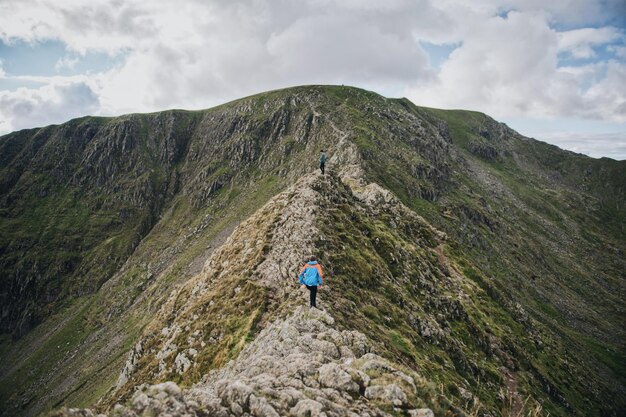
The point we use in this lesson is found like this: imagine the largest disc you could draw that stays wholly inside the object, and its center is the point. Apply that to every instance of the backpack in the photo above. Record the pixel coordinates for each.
(311, 274)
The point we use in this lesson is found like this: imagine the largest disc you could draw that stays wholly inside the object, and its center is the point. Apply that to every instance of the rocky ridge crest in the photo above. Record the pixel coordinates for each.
(299, 366)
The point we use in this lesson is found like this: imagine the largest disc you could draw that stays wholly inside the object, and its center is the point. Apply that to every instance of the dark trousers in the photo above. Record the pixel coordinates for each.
(312, 294)
(322, 164)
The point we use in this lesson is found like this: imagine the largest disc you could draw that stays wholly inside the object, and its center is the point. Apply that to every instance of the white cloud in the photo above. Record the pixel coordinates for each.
(618, 50)
(580, 42)
(220, 52)
(611, 145)
(53, 103)
(563, 12)
(66, 62)
(608, 96)
(509, 67)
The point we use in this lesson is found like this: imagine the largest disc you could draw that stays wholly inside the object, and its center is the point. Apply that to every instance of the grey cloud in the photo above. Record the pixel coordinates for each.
(26, 108)
(246, 47)
(321, 46)
(611, 145)
(114, 18)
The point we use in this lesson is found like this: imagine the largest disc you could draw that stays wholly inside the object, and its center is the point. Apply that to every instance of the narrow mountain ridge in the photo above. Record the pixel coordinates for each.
(250, 280)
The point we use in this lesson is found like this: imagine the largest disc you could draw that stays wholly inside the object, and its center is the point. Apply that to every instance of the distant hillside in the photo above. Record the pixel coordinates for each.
(487, 264)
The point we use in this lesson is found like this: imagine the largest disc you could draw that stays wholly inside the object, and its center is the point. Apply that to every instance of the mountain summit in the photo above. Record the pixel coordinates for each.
(469, 270)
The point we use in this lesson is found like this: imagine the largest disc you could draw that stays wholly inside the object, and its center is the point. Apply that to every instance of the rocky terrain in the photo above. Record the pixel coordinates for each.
(484, 270)
(299, 366)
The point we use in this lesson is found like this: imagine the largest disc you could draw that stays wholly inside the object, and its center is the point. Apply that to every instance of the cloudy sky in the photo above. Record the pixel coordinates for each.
(556, 72)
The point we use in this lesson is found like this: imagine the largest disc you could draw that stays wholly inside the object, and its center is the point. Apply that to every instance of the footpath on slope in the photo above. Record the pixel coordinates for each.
(300, 366)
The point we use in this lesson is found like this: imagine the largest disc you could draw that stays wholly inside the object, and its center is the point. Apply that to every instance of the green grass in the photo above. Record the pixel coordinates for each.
(52, 351)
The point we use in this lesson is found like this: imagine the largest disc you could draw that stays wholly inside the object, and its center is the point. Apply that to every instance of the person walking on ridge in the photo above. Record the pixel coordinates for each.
(311, 277)
(322, 161)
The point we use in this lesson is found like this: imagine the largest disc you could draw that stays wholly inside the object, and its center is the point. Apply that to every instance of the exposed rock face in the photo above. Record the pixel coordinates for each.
(484, 151)
(301, 366)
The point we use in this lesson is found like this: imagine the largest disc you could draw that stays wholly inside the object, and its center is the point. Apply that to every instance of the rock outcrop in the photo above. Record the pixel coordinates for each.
(301, 366)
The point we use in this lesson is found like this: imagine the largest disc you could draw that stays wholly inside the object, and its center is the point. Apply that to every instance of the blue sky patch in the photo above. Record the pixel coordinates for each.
(438, 53)
(51, 58)
(504, 13)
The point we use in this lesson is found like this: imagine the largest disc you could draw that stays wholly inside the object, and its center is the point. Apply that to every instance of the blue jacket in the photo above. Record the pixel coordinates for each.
(311, 274)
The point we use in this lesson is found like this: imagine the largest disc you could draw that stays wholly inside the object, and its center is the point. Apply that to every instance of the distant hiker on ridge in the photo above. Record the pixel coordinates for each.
(322, 161)
(311, 276)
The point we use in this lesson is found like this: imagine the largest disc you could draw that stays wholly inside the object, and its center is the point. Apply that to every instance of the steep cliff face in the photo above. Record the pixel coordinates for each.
(77, 199)
(484, 263)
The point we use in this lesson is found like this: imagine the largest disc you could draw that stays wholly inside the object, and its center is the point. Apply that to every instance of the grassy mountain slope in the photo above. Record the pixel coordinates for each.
(540, 229)
(102, 218)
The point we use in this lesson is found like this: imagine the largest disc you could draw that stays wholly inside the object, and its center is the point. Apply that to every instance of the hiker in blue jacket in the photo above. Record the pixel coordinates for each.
(311, 276)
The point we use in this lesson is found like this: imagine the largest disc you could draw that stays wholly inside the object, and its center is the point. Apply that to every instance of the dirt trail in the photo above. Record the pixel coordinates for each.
(517, 402)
